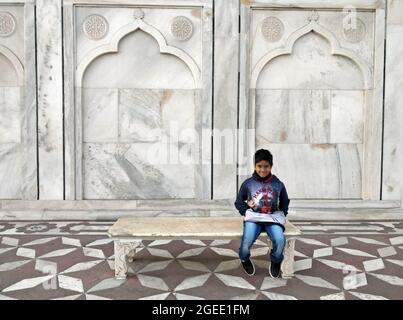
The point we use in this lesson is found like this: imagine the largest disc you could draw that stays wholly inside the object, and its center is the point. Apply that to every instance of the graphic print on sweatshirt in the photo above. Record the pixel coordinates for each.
(264, 200)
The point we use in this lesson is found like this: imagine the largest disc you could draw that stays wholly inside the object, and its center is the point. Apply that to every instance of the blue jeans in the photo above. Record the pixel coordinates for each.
(252, 230)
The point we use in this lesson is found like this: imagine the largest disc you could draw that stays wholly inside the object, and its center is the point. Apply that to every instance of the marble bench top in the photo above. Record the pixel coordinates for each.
(184, 227)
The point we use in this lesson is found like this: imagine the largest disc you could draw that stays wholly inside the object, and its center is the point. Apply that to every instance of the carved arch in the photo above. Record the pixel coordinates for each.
(335, 49)
(113, 46)
(15, 62)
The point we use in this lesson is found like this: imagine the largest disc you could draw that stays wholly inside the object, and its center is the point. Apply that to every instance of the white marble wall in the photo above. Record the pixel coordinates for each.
(311, 95)
(18, 164)
(11, 103)
(137, 129)
(50, 99)
(226, 68)
(104, 114)
(325, 171)
(126, 149)
(392, 186)
(10, 143)
(309, 116)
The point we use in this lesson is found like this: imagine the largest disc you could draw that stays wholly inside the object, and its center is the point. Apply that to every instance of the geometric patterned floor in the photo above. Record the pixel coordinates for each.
(74, 260)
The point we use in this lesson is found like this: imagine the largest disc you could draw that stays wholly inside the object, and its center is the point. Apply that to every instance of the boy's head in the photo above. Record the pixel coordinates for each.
(263, 162)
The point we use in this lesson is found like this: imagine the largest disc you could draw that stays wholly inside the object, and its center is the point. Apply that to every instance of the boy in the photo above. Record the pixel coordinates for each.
(265, 209)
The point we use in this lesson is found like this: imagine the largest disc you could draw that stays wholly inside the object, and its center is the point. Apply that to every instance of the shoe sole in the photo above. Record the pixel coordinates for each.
(250, 274)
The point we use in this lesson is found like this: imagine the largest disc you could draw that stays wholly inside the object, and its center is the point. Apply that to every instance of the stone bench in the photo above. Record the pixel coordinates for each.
(128, 233)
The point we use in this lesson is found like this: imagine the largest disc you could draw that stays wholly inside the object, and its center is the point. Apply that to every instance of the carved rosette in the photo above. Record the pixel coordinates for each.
(7, 24)
(354, 31)
(272, 29)
(182, 28)
(95, 27)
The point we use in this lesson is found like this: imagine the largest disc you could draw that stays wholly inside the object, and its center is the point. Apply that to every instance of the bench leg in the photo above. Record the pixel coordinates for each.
(287, 267)
(122, 250)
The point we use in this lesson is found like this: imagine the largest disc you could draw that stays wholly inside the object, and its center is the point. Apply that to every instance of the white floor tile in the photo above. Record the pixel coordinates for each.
(70, 283)
(386, 252)
(193, 282)
(152, 282)
(233, 281)
(372, 265)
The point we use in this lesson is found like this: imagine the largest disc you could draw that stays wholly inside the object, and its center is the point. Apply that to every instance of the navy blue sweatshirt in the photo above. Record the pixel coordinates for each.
(267, 192)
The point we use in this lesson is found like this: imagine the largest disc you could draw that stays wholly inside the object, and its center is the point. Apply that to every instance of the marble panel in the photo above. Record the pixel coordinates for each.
(293, 116)
(395, 12)
(50, 98)
(315, 171)
(10, 114)
(100, 115)
(137, 171)
(10, 171)
(139, 115)
(392, 188)
(225, 101)
(347, 116)
(29, 137)
(150, 115)
(178, 109)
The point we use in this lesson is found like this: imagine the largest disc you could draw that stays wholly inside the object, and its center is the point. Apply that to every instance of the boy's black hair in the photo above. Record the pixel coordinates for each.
(263, 154)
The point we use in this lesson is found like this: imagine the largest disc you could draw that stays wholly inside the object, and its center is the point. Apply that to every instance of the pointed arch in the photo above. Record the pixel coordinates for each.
(113, 46)
(15, 62)
(335, 49)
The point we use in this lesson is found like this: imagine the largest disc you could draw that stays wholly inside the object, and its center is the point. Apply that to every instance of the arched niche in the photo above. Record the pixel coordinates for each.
(113, 46)
(311, 65)
(335, 49)
(138, 64)
(11, 157)
(12, 71)
(127, 114)
(309, 103)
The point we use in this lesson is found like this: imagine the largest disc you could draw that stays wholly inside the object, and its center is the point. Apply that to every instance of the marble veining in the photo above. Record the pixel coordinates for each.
(135, 171)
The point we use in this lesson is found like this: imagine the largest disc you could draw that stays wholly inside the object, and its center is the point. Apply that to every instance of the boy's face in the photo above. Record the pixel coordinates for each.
(263, 168)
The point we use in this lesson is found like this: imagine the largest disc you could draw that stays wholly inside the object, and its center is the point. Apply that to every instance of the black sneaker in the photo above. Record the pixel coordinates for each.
(248, 267)
(274, 269)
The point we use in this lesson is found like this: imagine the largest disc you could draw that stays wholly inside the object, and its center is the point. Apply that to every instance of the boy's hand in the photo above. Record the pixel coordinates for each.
(251, 203)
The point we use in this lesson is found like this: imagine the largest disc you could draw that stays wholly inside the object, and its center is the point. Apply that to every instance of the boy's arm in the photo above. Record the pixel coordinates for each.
(283, 200)
(240, 203)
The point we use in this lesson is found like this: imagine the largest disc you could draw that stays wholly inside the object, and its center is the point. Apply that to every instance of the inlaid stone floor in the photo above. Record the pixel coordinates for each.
(74, 260)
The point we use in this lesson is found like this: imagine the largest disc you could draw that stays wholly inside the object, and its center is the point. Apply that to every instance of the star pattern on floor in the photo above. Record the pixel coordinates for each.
(74, 260)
